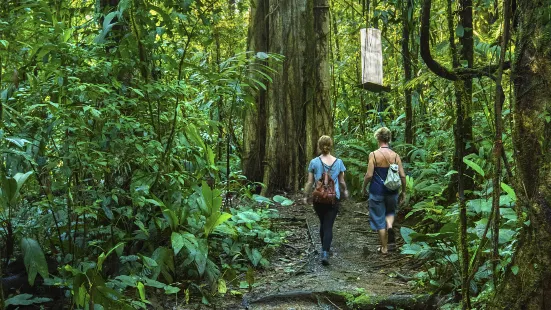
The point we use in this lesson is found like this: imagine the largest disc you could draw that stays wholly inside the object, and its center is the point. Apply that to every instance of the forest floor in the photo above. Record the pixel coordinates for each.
(357, 277)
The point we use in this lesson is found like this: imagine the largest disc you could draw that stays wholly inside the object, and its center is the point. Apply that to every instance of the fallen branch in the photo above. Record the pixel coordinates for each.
(362, 213)
(329, 300)
(390, 262)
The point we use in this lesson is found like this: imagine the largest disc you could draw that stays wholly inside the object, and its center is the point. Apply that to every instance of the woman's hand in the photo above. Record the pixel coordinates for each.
(402, 198)
(346, 194)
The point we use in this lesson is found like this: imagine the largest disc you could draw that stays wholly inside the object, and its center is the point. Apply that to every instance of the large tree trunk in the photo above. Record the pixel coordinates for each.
(531, 287)
(281, 132)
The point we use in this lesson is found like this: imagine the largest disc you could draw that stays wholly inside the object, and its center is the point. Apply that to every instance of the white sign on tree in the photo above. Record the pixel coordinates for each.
(372, 57)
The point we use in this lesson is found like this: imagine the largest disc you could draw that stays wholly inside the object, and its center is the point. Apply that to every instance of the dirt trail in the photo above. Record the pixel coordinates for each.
(358, 276)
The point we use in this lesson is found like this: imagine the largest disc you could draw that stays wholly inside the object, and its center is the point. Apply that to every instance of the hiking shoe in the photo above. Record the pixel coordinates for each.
(325, 258)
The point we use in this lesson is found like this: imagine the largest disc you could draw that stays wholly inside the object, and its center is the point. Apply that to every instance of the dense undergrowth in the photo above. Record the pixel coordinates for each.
(115, 178)
(431, 219)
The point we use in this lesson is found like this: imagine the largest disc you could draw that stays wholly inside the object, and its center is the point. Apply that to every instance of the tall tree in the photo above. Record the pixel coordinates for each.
(530, 288)
(281, 130)
(407, 20)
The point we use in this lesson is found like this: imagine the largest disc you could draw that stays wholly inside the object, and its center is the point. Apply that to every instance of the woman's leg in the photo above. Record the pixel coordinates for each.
(377, 218)
(384, 240)
(391, 203)
(328, 222)
(320, 212)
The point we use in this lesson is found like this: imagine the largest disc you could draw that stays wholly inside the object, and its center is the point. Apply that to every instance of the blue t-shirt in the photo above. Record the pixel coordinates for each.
(316, 168)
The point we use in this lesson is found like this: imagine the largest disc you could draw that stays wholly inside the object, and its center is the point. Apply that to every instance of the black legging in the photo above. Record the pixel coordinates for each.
(327, 215)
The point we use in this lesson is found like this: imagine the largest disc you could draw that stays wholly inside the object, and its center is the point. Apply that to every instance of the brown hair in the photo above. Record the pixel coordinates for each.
(383, 134)
(325, 144)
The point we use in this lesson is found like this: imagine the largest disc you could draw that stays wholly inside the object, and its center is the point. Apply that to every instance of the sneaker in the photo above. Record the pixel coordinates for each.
(325, 258)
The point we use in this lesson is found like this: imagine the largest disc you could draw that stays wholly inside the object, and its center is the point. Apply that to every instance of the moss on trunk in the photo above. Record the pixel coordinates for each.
(281, 131)
(530, 288)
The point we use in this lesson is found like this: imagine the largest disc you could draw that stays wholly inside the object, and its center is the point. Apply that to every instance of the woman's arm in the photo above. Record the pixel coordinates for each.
(342, 184)
(308, 187)
(369, 174)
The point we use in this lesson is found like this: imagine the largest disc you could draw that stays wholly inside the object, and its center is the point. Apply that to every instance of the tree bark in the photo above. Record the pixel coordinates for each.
(407, 67)
(281, 131)
(467, 54)
(530, 288)
(254, 124)
(498, 144)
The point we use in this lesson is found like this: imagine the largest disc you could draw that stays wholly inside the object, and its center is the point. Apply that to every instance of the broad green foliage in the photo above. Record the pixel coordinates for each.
(118, 148)
(35, 261)
(25, 300)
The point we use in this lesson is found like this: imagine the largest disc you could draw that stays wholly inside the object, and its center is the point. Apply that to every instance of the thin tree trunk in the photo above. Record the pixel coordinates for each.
(498, 144)
(407, 67)
(467, 54)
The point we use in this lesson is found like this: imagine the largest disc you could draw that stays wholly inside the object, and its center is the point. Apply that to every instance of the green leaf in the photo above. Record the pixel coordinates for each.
(192, 134)
(141, 291)
(514, 269)
(460, 31)
(255, 257)
(263, 199)
(243, 284)
(34, 259)
(149, 262)
(177, 242)
(222, 288)
(103, 255)
(250, 277)
(282, 200)
(510, 191)
(262, 56)
(201, 256)
(406, 232)
(9, 189)
(215, 220)
(18, 141)
(474, 166)
(156, 202)
(212, 198)
(20, 178)
(24, 300)
(171, 218)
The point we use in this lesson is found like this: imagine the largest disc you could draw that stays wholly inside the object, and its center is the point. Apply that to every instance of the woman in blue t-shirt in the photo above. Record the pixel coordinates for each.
(382, 201)
(327, 213)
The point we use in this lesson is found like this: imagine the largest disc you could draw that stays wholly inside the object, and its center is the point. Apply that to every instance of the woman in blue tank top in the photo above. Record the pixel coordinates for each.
(327, 213)
(382, 201)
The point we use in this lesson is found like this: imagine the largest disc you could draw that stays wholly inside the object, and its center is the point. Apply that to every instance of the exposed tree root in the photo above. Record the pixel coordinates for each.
(346, 300)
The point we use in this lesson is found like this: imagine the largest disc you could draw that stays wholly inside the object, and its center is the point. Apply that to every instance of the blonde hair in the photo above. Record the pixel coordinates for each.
(325, 144)
(383, 134)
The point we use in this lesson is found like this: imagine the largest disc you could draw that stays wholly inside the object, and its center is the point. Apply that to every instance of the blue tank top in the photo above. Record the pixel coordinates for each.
(377, 186)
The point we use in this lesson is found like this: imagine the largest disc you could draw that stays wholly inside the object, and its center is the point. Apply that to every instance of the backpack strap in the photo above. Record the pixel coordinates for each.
(387, 159)
(330, 167)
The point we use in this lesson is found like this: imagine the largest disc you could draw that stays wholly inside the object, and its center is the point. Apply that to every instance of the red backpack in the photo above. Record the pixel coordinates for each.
(324, 191)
